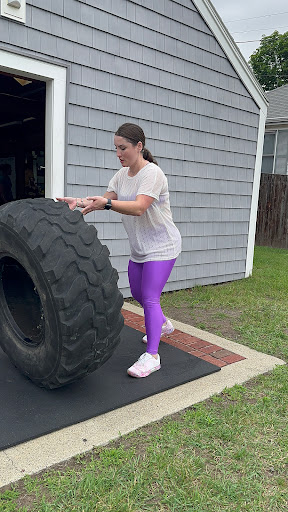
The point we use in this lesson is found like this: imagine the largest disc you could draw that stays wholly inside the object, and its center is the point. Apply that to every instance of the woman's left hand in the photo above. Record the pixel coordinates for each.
(71, 201)
(98, 203)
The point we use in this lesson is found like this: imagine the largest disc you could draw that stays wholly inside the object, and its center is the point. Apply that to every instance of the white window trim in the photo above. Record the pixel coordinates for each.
(275, 149)
(276, 131)
(55, 113)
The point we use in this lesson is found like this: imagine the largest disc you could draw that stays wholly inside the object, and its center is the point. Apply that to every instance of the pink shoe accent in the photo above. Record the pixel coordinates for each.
(166, 329)
(145, 365)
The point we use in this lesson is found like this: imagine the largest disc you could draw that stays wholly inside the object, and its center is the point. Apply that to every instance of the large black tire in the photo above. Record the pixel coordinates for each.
(60, 307)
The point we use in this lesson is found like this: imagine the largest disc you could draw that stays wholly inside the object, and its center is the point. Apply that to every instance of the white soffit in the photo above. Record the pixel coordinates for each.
(226, 41)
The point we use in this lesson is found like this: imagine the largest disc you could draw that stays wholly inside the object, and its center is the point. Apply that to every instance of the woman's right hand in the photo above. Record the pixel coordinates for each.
(71, 201)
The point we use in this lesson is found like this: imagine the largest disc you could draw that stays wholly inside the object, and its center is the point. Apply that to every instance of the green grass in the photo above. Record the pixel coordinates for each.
(255, 308)
(228, 453)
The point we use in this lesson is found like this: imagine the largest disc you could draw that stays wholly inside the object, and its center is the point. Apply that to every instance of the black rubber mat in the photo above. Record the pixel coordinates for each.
(28, 411)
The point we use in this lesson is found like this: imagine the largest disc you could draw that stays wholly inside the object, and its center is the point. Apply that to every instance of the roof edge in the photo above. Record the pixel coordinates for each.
(226, 41)
(276, 120)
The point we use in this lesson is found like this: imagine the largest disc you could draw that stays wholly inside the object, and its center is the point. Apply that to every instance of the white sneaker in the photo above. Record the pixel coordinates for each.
(166, 329)
(145, 365)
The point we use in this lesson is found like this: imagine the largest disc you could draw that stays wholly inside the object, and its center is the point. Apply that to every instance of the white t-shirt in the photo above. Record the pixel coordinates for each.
(152, 235)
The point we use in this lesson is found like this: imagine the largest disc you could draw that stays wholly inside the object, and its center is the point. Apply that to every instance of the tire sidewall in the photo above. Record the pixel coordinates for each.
(36, 361)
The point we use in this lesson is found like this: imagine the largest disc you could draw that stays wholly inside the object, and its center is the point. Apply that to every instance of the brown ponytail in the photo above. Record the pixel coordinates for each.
(134, 134)
(148, 156)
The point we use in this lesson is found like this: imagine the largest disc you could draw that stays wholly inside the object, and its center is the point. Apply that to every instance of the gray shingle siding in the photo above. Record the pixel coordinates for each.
(158, 64)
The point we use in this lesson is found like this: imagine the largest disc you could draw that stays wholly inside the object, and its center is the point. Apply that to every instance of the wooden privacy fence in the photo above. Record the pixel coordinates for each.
(272, 218)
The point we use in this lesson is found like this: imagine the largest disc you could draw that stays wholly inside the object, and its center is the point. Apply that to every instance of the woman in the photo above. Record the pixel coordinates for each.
(139, 191)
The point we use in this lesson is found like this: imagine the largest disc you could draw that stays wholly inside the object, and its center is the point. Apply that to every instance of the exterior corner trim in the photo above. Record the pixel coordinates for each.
(255, 196)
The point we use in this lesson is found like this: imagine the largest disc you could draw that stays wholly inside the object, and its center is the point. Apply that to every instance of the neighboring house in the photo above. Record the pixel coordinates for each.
(272, 219)
(72, 71)
(275, 150)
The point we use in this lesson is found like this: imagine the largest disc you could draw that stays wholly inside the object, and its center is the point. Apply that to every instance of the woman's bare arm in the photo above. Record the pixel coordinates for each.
(137, 207)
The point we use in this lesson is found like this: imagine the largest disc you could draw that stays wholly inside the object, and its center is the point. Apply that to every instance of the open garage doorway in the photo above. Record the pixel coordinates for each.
(36, 139)
(22, 137)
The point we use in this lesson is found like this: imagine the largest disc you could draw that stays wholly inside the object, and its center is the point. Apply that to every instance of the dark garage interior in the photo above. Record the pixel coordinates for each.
(22, 136)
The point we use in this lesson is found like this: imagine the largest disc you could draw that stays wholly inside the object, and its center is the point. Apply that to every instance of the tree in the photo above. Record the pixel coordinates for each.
(270, 61)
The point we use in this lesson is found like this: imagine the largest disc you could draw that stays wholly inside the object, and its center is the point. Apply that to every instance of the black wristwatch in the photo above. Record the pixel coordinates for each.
(108, 205)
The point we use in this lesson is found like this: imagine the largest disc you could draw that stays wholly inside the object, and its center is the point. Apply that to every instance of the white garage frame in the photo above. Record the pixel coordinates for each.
(55, 113)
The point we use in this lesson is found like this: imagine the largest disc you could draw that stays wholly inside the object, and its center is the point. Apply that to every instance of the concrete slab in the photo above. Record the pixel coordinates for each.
(43, 452)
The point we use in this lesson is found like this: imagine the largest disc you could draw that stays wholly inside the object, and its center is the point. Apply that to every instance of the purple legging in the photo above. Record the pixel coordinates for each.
(147, 281)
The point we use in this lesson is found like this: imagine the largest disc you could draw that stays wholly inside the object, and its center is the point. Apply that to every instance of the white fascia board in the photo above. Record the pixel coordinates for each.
(227, 43)
(55, 78)
(255, 197)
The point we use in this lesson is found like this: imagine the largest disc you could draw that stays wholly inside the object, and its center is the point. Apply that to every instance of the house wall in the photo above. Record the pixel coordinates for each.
(155, 63)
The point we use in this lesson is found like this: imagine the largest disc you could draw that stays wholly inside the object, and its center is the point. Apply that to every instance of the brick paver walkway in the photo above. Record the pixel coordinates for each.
(200, 348)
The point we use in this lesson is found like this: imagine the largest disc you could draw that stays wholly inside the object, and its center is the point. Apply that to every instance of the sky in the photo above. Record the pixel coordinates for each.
(249, 20)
